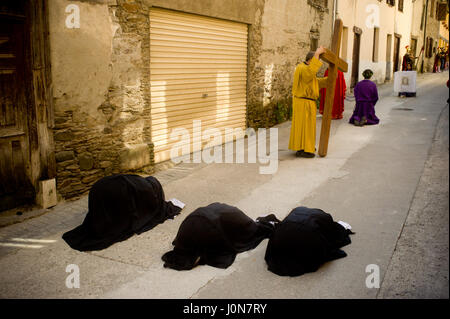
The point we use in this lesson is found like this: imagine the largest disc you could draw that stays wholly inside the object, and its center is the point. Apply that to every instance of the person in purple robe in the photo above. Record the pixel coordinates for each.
(366, 95)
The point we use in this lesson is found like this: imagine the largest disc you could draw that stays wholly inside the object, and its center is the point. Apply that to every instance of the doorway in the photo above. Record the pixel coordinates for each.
(397, 53)
(388, 57)
(26, 141)
(15, 188)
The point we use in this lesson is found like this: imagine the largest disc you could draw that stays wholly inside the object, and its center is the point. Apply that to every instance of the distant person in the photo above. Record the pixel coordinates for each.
(448, 100)
(339, 97)
(437, 62)
(408, 60)
(407, 65)
(366, 96)
(442, 57)
(446, 58)
(305, 92)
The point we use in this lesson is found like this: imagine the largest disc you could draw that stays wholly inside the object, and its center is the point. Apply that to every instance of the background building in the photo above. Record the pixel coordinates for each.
(380, 44)
(443, 33)
(375, 36)
(427, 17)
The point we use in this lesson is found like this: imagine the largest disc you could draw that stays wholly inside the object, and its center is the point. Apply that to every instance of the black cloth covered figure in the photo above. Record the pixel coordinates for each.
(303, 241)
(119, 207)
(213, 235)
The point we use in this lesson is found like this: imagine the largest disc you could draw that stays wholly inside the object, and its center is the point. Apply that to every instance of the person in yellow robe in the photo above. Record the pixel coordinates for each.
(305, 92)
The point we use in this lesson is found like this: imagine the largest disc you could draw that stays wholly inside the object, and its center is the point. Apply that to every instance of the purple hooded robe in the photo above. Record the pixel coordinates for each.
(366, 95)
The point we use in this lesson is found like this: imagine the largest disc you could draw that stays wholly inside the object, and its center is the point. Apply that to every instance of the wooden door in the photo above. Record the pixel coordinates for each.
(396, 53)
(355, 59)
(388, 57)
(15, 186)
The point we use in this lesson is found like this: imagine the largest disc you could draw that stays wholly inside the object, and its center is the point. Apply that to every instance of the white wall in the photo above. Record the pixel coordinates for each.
(359, 13)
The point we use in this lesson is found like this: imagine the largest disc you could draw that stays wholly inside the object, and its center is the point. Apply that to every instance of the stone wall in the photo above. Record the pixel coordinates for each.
(280, 38)
(101, 80)
(431, 31)
(101, 73)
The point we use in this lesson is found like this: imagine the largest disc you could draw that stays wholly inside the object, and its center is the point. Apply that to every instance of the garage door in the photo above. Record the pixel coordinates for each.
(198, 71)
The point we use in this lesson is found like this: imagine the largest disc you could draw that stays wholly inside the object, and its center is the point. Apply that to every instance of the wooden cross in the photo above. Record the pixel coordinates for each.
(332, 57)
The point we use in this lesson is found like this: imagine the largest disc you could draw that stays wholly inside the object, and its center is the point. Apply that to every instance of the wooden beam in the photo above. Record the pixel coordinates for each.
(329, 57)
(335, 64)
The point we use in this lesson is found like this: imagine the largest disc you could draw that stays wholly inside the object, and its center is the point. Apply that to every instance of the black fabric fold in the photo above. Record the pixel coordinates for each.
(303, 241)
(119, 207)
(214, 235)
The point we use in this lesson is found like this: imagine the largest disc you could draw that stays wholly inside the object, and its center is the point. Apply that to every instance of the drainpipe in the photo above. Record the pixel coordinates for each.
(424, 35)
(337, 8)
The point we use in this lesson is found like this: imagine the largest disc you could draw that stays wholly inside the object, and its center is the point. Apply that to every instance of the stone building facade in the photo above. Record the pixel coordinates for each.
(426, 25)
(444, 33)
(101, 79)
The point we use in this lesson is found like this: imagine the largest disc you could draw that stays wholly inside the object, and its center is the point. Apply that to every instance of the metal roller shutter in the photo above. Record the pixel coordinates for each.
(198, 71)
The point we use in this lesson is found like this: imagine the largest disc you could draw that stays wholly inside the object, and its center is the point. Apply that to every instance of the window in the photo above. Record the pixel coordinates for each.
(413, 46)
(390, 2)
(318, 3)
(314, 36)
(376, 38)
(441, 11)
(400, 5)
(429, 48)
(388, 47)
(432, 8)
(344, 45)
(314, 44)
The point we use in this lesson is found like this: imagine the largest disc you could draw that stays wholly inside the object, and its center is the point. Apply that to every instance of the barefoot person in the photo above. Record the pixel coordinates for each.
(305, 91)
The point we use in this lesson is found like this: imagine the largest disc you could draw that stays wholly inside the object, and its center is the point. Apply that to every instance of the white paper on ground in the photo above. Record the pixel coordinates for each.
(177, 203)
(344, 224)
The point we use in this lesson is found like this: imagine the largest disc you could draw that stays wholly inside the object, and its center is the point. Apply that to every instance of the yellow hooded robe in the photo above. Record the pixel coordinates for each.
(305, 90)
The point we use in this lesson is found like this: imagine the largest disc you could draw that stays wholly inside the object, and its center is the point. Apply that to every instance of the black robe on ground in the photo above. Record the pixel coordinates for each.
(303, 241)
(119, 207)
(213, 235)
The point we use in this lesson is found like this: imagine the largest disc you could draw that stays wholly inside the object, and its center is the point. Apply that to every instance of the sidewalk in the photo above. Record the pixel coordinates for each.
(385, 161)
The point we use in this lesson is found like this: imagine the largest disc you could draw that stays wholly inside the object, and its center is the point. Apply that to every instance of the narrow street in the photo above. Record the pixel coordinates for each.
(388, 181)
